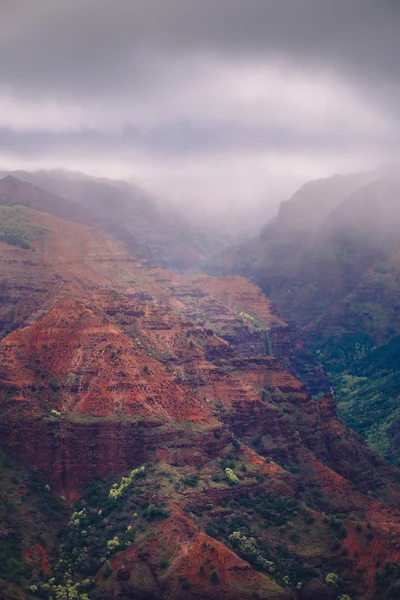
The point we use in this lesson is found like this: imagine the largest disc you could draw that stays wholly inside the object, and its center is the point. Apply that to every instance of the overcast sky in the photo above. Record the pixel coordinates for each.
(216, 99)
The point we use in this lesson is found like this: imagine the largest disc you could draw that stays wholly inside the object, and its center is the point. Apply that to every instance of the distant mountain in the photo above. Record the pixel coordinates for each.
(151, 228)
(309, 278)
(330, 261)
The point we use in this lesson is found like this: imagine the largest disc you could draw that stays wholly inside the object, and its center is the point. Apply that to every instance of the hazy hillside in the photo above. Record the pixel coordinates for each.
(149, 226)
(155, 445)
(331, 265)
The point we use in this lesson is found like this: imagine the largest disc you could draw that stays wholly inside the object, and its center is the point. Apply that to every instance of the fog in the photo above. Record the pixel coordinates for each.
(216, 106)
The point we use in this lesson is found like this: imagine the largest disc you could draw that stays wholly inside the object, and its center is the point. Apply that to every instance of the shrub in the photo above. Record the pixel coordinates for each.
(214, 578)
(184, 582)
(257, 442)
(332, 579)
(163, 564)
(231, 477)
(126, 482)
(113, 544)
(12, 234)
(309, 519)
(249, 549)
(191, 481)
(153, 512)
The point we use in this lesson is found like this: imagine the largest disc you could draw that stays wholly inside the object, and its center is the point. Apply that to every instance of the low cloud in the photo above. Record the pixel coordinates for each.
(202, 99)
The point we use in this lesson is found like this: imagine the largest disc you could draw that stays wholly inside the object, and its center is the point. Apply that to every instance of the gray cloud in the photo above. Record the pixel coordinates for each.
(194, 139)
(296, 85)
(86, 45)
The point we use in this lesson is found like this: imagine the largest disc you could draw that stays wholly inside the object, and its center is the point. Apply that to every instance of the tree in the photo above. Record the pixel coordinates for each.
(332, 579)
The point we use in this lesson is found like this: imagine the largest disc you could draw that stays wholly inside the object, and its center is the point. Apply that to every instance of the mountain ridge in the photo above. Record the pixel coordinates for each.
(109, 365)
(339, 284)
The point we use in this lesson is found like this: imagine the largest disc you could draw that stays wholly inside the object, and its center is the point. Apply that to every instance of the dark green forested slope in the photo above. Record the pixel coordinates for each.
(367, 383)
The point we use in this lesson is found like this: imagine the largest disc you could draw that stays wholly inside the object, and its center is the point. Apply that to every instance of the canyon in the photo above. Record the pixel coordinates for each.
(158, 441)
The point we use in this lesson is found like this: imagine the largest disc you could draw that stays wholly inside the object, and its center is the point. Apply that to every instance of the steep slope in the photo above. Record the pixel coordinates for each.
(364, 242)
(62, 258)
(369, 392)
(307, 276)
(152, 229)
(324, 241)
(298, 218)
(340, 282)
(312, 203)
(14, 192)
(191, 462)
(74, 441)
(355, 285)
(30, 516)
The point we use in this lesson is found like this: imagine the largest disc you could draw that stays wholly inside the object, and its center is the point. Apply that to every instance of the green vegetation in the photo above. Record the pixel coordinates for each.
(110, 517)
(251, 319)
(13, 228)
(184, 582)
(387, 582)
(243, 523)
(30, 516)
(248, 548)
(191, 481)
(105, 521)
(367, 387)
(14, 235)
(332, 579)
(67, 591)
(231, 478)
(118, 489)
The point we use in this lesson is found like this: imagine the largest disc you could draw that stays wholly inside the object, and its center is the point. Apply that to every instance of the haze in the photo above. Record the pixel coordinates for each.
(223, 103)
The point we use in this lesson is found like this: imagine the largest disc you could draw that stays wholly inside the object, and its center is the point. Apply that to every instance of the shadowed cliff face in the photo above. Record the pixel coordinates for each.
(330, 262)
(309, 268)
(249, 487)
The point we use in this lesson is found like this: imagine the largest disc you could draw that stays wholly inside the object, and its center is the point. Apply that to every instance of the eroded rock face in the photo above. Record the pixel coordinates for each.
(107, 365)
